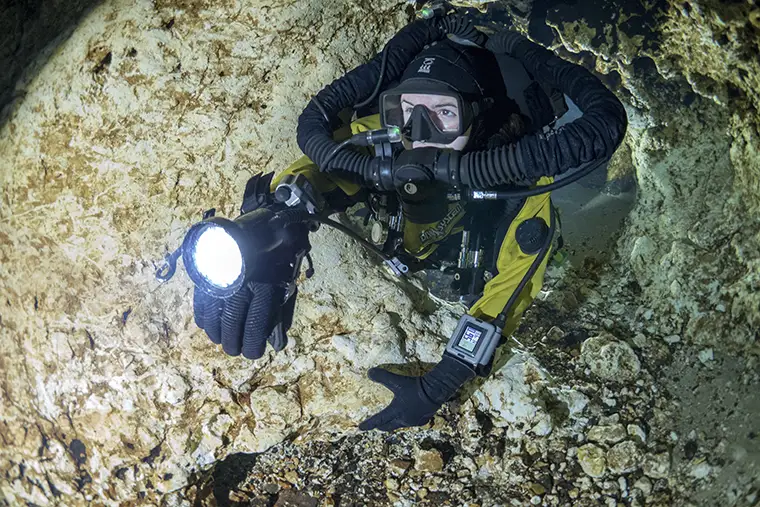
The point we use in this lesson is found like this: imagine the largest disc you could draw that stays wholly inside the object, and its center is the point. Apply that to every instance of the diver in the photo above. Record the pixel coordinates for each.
(437, 120)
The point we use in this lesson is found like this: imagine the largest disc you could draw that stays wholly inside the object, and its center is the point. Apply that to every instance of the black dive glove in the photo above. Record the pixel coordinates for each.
(243, 323)
(417, 399)
(259, 312)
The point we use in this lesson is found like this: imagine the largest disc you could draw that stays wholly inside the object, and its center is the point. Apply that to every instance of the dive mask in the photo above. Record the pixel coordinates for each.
(424, 114)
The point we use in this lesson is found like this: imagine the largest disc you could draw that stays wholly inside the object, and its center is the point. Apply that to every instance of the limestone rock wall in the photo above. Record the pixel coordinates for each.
(150, 113)
(28, 33)
(688, 73)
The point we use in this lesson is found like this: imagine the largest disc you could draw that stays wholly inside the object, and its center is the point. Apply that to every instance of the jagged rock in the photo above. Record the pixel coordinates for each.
(610, 358)
(644, 485)
(428, 461)
(700, 470)
(624, 457)
(607, 434)
(657, 466)
(290, 498)
(705, 356)
(592, 460)
(637, 432)
(513, 395)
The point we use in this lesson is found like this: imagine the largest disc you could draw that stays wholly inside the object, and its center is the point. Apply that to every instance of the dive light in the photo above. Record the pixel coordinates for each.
(221, 254)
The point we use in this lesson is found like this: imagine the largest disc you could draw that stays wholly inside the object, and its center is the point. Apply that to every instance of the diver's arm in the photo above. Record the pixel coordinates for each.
(593, 137)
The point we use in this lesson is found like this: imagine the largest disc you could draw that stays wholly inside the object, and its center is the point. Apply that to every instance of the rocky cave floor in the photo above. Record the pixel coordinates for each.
(669, 424)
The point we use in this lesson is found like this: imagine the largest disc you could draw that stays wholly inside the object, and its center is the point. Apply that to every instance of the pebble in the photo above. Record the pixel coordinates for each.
(644, 485)
(623, 485)
(428, 461)
(536, 500)
(657, 466)
(640, 340)
(591, 459)
(625, 457)
(391, 484)
(271, 488)
(705, 356)
(291, 476)
(607, 434)
(671, 339)
(537, 489)
(637, 432)
(610, 358)
(422, 493)
(399, 466)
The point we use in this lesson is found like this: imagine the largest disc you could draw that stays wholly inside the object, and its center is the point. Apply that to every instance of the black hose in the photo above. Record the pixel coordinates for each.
(530, 192)
(314, 133)
(463, 28)
(321, 108)
(590, 139)
(326, 164)
(379, 81)
(501, 319)
(293, 216)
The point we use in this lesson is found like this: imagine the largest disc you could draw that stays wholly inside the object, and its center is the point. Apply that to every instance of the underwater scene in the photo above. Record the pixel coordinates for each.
(380, 253)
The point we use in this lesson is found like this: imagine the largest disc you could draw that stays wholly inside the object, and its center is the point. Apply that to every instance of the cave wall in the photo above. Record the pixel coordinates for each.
(27, 29)
(688, 73)
(148, 114)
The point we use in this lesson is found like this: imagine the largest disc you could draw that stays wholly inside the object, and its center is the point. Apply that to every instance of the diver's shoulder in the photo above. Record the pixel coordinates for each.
(365, 123)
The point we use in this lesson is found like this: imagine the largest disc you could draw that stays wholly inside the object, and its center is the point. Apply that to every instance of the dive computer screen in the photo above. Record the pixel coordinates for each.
(470, 338)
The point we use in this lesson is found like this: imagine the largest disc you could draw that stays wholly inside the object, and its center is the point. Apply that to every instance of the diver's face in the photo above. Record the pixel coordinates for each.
(443, 110)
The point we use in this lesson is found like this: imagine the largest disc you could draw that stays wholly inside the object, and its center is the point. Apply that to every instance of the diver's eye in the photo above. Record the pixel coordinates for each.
(408, 110)
(447, 113)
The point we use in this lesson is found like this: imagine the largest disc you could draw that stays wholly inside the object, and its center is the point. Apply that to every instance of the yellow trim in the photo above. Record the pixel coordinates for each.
(323, 182)
(512, 265)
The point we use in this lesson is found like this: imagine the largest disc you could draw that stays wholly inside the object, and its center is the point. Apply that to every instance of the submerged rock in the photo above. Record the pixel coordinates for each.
(592, 460)
(657, 466)
(607, 434)
(610, 359)
(513, 396)
(624, 457)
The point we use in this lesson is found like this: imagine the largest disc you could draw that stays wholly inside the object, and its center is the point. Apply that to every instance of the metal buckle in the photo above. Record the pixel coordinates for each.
(398, 267)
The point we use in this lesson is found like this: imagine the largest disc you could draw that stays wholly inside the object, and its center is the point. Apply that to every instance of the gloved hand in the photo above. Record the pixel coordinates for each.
(417, 399)
(246, 321)
(258, 313)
